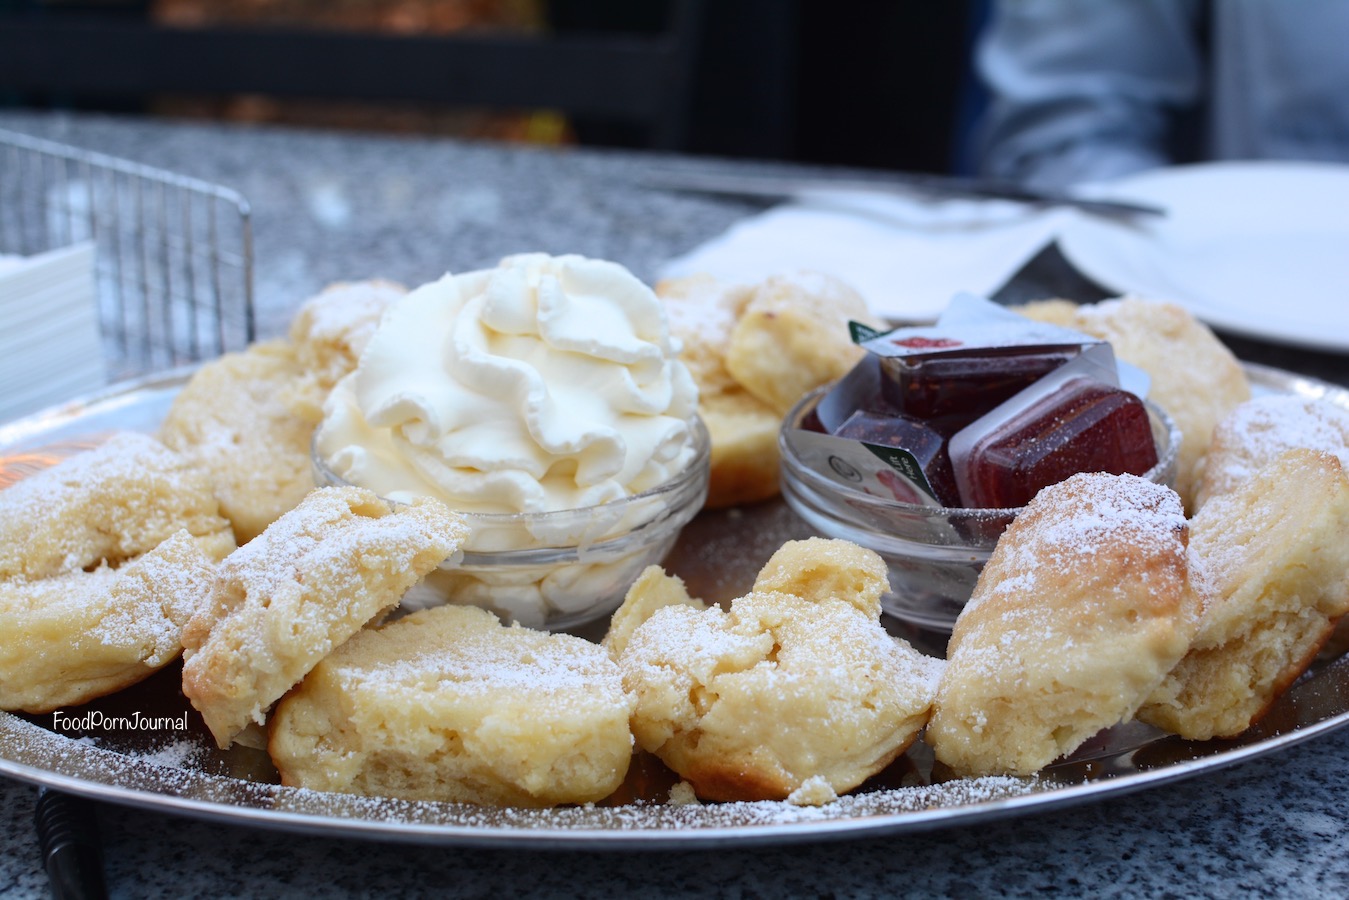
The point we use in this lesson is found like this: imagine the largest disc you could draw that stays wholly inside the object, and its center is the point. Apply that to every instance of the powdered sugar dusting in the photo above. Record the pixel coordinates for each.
(322, 539)
(703, 310)
(176, 775)
(664, 817)
(153, 597)
(1067, 524)
(1063, 537)
(525, 663)
(117, 500)
(179, 754)
(1258, 431)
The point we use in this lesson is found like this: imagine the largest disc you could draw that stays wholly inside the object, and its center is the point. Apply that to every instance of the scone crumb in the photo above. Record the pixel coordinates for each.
(682, 794)
(814, 791)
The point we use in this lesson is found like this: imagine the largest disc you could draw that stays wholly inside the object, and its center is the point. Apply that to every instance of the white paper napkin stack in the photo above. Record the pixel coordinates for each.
(50, 348)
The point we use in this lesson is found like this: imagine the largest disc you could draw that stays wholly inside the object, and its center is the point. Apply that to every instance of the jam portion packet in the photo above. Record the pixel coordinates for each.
(892, 473)
(1072, 420)
(981, 409)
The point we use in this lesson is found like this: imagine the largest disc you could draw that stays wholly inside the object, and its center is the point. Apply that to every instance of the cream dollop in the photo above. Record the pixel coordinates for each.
(547, 383)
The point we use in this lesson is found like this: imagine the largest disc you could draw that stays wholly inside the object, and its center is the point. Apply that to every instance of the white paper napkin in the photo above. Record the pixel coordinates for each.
(906, 256)
(50, 349)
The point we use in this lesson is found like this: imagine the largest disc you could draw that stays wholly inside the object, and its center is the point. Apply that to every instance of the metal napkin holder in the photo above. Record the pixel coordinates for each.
(174, 255)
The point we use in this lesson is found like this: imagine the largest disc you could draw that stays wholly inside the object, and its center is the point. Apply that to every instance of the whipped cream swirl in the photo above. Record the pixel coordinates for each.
(547, 383)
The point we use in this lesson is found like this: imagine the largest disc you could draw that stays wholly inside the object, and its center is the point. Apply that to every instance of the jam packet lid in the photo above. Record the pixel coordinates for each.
(860, 388)
(972, 324)
(874, 468)
(969, 325)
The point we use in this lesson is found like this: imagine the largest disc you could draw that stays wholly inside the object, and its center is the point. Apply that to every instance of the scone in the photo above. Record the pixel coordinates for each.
(105, 506)
(785, 688)
(823, 569)
(68, 639)
(702, 312)
(283, 601)
(1273, 562)
(1259, 431)
(331, 329)
(247, 419)
(652, 590)
(743, 430)
(744, 461)
(793, 337)
(783, 337)
(448, 704)
(1195, 378)
(1083, 607)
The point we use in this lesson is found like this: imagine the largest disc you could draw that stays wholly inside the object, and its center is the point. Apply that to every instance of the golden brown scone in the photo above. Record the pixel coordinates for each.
(744, 437)
(283, 601)
(331, 329)
(752, 703)
(1082, 609)
(652, 590)
(1195, 378)
(448, 704)
(793, 337)
(70, 638)
(1257, 432)
(1273, 564)
(247, 419)
(105, 505)
(784, 337)
(820, 569)
(1055, 312)
(702, 312)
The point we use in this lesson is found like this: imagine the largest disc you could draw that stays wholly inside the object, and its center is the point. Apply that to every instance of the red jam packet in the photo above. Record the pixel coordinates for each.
(1075, 419)
(892, 426)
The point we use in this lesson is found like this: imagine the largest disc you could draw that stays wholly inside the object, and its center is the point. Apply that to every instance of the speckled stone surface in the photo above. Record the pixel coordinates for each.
(330, 207)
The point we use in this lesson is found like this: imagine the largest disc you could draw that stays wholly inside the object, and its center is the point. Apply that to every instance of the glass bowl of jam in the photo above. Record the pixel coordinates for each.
(899, 484)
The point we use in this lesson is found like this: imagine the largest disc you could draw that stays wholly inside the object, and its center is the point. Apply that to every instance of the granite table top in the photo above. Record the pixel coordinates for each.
(333, 206)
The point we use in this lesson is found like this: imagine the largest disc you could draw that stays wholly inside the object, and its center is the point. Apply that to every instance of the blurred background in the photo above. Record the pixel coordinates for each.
(875, 83)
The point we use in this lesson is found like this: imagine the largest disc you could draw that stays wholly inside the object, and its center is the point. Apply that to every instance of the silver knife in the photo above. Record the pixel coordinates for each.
(787, 186)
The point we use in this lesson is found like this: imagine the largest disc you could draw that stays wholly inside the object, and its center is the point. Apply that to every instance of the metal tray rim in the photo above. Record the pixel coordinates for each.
(576, 828)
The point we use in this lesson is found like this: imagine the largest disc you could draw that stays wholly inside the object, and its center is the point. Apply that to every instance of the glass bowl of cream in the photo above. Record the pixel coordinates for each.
(544, 401)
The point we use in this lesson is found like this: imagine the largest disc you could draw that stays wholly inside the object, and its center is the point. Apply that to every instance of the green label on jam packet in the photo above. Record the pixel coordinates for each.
(869, 468)
(906, 464)
(862, 333)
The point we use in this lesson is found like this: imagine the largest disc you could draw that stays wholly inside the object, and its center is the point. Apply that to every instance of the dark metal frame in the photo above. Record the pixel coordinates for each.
(633, 78)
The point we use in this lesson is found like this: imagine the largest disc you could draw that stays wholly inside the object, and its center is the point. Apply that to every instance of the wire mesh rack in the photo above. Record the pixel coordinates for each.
(173, 255)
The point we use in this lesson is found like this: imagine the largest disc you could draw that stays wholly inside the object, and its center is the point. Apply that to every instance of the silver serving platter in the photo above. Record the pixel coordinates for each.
(175, 768)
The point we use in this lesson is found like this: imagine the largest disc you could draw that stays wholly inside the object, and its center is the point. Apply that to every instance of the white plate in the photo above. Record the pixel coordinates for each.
(1257, 248)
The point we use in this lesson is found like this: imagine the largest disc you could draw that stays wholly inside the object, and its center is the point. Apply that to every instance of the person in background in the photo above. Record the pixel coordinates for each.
(1084, 90)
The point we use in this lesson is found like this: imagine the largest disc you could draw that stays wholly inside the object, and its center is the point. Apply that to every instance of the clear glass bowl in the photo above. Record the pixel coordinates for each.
(560, 569)
(935, 554)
